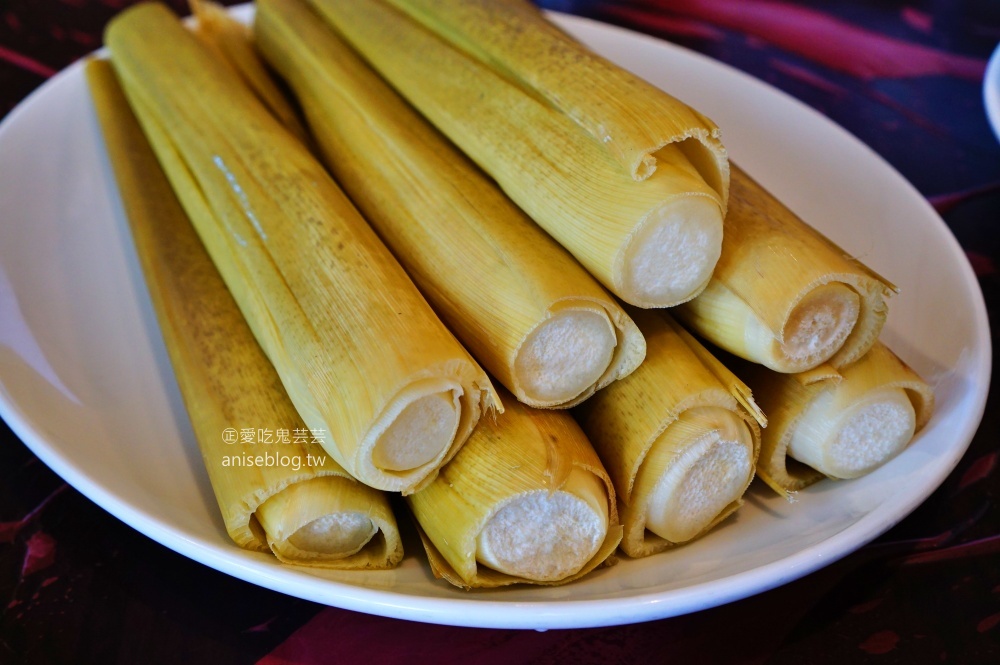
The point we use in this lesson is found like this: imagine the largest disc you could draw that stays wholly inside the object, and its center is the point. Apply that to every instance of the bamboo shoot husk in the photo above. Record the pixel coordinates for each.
(845, 423)
(226, 381)
(525, 501)
(359, 351)
(652, 243)
(679, 437)
(231, 40)
(782, 294)
(302, 528)
(630, 117)
(533, 316)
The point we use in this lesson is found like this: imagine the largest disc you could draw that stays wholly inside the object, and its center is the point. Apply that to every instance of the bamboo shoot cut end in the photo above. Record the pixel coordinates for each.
(671, 257)
(335, 535)
(709, 475)
(821, 323)
(547, 536)
(858, 441)
(419, 434)
(565, 355)
(318, 520)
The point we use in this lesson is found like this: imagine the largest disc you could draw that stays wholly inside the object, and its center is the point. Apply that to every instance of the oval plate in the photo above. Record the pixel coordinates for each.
(86, 383)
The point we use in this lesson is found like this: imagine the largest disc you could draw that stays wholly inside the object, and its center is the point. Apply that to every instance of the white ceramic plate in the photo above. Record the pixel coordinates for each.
(85, 380)
(991, 91)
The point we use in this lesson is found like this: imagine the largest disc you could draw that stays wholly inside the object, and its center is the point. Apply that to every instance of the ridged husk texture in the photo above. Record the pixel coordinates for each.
(298, 258)
(487, 269)
(225, 379)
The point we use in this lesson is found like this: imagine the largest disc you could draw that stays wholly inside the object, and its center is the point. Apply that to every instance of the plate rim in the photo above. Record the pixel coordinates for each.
(991, 91)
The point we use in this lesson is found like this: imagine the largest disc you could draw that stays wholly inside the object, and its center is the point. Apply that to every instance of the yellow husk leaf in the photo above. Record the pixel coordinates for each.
(285, 513)
(491, 274)
(628, 420)
(351, 337)
(771, 260)
(555, 171)
(224, 377)
(231, 40)
(631, 118)
(522, 450)
(785, 398)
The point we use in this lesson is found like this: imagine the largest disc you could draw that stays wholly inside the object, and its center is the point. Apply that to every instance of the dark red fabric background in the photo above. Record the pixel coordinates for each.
(77, 586)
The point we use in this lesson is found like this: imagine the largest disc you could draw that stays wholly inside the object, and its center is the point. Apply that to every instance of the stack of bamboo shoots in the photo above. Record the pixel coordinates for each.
(314, 514)
(376, 369)
(549, 121)
(529, 105)
(500, 176)
(575, 514)
(521, 303)
(700, 468)
(631, 181)
(807, 317)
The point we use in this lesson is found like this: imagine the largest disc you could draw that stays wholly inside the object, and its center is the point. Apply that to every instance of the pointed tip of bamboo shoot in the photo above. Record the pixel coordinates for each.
(671, 257)
(866, 436)
(547, 536)
(565, 355)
